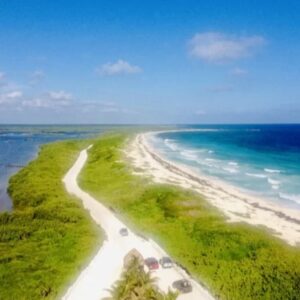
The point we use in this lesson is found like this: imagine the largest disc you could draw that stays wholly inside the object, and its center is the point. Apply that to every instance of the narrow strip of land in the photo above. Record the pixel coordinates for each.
(106, 266)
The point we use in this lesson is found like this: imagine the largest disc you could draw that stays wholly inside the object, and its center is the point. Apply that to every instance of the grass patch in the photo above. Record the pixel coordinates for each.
(236, 261)
(46, 239)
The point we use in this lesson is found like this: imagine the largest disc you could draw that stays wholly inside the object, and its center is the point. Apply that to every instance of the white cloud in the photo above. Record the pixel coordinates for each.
(10, 97)
(107, 103)
(50, 99)
(13, 98)
(36, 103)
(3, 81)
(57, 101)
(89, 106)
(239, 72)
(120, 67)
(14, 95)
(219, 47)
(60, 95)
(36, 76)
(107, 107)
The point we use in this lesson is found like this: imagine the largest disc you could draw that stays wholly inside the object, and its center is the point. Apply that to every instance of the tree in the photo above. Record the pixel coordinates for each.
(136, 284)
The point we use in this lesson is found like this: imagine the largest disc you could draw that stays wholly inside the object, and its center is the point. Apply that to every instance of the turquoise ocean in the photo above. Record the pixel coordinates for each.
(263, 160)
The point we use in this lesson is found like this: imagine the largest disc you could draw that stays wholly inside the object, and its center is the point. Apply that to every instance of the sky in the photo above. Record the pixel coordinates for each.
(166, 62)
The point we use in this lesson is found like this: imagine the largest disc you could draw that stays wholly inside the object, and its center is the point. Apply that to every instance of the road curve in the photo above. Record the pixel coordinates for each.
(105, 267)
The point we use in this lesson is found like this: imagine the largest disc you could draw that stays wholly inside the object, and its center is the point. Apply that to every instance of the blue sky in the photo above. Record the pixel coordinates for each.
(149, 61)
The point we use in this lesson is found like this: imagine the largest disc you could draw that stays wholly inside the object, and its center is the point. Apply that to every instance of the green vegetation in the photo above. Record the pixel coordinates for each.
(235, 261)
(46, 239)
(136, 284)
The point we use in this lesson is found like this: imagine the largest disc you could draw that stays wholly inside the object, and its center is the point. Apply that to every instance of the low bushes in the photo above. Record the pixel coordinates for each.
(46, 239)
(235, 261)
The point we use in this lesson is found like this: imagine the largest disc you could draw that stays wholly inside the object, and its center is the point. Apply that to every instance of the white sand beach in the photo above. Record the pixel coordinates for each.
(106, 266)
(235, 204)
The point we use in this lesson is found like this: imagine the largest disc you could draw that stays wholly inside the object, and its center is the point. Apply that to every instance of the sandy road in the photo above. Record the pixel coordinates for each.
(106, 266)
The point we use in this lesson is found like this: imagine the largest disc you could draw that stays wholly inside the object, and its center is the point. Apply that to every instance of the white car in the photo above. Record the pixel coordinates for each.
(166, 262)
(123, 231)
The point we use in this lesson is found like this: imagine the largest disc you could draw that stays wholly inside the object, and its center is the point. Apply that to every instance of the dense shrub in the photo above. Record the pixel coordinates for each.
(46, 239)
(236, 261)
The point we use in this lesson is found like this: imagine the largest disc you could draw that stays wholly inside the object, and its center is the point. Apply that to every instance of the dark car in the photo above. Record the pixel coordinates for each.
(124, 231)
(151, 263)
(166, 262)
(183, 286)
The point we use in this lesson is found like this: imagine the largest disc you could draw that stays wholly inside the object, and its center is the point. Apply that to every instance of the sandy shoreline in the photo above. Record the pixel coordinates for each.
(236, 205)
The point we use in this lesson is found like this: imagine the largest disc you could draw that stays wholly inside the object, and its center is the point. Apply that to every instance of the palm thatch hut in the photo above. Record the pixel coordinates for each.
(131, 256)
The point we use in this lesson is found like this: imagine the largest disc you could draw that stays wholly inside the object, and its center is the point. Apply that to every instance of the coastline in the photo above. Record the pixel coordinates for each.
(236, 205)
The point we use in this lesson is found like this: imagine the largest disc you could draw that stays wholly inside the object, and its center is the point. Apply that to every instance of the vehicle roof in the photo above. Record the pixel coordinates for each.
(165, 258)
(151, 259)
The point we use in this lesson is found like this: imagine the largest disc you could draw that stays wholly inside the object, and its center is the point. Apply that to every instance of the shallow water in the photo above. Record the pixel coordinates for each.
(20, 144)
(263, 159)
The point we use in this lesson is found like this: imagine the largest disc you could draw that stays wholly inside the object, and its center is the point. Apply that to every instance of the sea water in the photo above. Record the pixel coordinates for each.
(261, 159)
(20, 144)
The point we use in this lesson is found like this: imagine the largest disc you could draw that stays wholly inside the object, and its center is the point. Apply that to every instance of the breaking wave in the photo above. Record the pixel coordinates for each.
(230, 170)
(256, 175)
(233, 163)
(170, 144)
(190, 155)
(273, 182)
(290, 197)
(272, 171)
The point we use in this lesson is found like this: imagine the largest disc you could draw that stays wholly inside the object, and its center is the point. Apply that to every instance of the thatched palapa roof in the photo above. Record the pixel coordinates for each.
(131, 255)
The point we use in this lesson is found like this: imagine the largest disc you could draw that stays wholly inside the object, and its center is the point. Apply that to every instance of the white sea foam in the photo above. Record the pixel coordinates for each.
(210, 151)
(203, 162)
(170, 144)
(291, 197)
(273, 182)
(233, 163)
(271, 171)
(210, 159)
(275, 187)
(256, 175)
(202, 150)
(189, 154)
(230, 170)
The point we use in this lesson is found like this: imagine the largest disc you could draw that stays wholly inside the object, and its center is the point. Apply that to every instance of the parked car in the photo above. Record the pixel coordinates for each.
(123, 231)
(151, 263)
(183, 286)
(166, 262)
